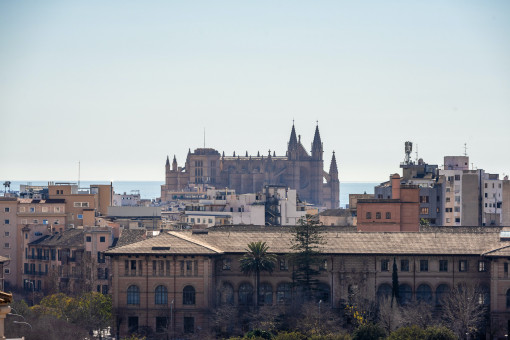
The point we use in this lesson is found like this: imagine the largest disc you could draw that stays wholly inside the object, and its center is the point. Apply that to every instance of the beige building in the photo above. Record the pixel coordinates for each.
(168, 285)
(10, 239)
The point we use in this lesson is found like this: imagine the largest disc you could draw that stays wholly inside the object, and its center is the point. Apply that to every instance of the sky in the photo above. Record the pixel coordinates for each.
(116, 86)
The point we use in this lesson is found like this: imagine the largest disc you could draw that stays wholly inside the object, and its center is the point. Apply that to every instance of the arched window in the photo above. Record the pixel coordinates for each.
(384, 292)
(161, 295)
(265, 294)
(406, 293)
(283, 293)
(133, 295)
(424, 293)
(442, 292)
(227, 294)
(188, 295)
(245, 294)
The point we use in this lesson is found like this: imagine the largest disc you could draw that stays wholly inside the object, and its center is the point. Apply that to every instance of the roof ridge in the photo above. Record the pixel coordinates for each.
(197, 242)
(496, 249)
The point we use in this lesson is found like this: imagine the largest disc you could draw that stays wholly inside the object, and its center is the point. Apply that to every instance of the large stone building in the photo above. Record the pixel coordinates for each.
(170, 284)
(298, 170)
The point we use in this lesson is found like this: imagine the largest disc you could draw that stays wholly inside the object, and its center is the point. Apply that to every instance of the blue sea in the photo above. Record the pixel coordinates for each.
(152, 189)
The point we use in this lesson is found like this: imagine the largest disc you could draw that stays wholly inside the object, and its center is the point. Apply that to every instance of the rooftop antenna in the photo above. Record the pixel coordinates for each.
(465, 149)
(408, 149)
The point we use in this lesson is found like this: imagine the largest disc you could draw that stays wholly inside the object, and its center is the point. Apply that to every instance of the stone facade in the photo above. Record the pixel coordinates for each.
(177, 279)
(249, 174)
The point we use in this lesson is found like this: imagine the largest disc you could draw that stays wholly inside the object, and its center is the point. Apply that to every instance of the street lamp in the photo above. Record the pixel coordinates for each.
(172, 317)
(320, 301)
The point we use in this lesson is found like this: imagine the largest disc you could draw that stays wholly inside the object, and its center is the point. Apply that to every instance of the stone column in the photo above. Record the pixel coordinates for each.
(4, 310)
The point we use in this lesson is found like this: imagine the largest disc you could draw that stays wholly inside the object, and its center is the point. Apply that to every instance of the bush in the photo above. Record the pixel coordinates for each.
(335, 336)
(290, 336)
(439, 333)
(408, 333)
(258, 334)
(368, 331)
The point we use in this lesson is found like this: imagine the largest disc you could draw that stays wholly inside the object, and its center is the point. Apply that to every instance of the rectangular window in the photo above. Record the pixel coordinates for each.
(443, 265)
(456, 209)
(404, 265)
(506, 269)
(424, 211)
(457, 219)
(7, 271)
(463, 266)
(369, 215)
(388, 216)
(56, 209)
(457, 199)
(154, 268)
(167, 268)
(284, 265)
(161, 324)
(140, 268)
(226, 264)
(424, 199)
(102, 239)
(424, 265)
(323, 266)
(182, 267)
(195, 267)
(482, 266)
(457, 177)
(385, 265)
(378, 215)
(7, 209)
(189, 324)
(7, 222)
(7, 234)
(44, 209)
(79, 216)
(32, 209)
(132, 324)
(189, 267)
(89, 239)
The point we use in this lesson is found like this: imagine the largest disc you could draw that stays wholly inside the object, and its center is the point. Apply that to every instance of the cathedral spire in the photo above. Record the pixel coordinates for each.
(317, 144)
(293, 140)
(167, 161)
(174, 164)
(332, 167)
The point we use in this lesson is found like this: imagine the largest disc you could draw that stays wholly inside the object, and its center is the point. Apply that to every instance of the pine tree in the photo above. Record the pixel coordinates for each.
(307, 257)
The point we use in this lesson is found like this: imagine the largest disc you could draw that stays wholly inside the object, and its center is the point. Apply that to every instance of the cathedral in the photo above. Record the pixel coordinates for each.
(298, 170)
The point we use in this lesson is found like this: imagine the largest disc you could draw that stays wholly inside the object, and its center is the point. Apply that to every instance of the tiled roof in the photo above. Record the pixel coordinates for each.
(280, 239)
(68, 238)
(129, 236)
(164, 243)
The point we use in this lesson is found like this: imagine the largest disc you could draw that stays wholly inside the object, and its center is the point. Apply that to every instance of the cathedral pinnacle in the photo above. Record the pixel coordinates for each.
(293, 140)
(167, 161)
(332, 167)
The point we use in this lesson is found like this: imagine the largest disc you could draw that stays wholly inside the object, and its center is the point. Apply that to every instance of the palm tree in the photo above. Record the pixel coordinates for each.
(256, 260)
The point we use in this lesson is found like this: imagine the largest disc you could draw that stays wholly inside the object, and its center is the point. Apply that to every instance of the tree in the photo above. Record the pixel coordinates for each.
(463, 309)
(439, 333)
(394, 284)
(93, 311)
(306, 257)
(256, 260)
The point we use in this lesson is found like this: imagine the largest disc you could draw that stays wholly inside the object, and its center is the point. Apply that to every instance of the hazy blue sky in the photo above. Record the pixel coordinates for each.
(119, 85)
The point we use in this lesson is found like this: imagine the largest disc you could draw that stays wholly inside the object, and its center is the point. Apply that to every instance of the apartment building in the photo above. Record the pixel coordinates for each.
(398, 213)
(9, 237)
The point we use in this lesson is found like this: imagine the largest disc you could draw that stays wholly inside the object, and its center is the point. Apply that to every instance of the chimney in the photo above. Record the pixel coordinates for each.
(395, 186)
